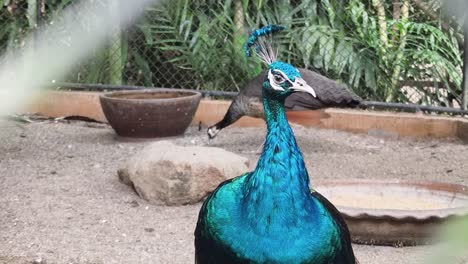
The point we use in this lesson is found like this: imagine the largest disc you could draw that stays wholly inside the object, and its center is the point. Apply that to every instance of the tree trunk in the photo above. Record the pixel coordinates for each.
(465, 68)
(400, 54)
(396, 9)
(32, 13)
(239, 20)
(396, 15)
(116, 63)
(379, 6)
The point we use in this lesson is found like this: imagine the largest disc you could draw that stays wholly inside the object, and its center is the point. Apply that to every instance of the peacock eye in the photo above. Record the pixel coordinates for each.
(278, 79)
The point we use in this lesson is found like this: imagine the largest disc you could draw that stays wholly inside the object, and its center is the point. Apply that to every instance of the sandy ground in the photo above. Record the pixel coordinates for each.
(61, 201)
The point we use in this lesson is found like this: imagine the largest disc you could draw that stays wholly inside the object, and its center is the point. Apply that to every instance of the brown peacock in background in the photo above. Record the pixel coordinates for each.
(248, 102)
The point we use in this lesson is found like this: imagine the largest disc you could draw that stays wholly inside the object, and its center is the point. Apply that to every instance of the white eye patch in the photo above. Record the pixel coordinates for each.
(276, 80)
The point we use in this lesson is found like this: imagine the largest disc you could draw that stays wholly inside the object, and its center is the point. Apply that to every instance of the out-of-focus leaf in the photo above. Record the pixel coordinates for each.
(370, 78)
(145, 68)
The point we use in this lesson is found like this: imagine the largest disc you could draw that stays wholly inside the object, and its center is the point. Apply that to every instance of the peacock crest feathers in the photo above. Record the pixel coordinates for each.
(262, 42)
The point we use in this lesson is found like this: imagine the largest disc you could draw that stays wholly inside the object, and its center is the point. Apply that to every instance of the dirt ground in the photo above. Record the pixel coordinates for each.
(61, 201)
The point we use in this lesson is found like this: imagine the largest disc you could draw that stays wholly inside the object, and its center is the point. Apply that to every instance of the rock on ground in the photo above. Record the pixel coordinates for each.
(164, 173)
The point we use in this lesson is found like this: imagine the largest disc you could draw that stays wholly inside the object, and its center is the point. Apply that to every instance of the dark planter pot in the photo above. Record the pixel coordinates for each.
(150, 113)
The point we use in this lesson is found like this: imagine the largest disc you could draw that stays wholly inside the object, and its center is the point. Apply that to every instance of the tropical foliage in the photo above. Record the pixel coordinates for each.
(375, 47)
(397, 50)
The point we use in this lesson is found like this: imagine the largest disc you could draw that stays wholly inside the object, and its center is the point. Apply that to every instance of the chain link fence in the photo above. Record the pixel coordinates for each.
(399, 50)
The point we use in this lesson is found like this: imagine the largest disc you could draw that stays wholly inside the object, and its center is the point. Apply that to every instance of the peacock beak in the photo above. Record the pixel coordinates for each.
(301, 86)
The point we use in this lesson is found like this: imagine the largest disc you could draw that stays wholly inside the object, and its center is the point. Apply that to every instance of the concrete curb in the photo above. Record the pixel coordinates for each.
(386, 124)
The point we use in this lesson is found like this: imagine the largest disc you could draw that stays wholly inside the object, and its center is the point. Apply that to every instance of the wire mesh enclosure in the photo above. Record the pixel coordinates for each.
(399, 50)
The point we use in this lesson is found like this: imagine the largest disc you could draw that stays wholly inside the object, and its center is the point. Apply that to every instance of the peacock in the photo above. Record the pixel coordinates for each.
(330, 93)
(270, 215)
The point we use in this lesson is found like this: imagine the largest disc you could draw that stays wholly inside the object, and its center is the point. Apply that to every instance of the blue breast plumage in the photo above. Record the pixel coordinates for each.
(270, 215)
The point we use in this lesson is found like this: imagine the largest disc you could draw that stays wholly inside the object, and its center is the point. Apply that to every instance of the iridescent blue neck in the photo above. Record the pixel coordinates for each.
(279, 187)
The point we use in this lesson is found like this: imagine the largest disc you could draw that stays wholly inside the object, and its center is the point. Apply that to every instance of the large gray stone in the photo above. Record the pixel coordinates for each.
(164, 173)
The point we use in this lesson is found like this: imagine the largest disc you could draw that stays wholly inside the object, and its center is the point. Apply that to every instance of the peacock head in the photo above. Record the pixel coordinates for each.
(282, 78)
